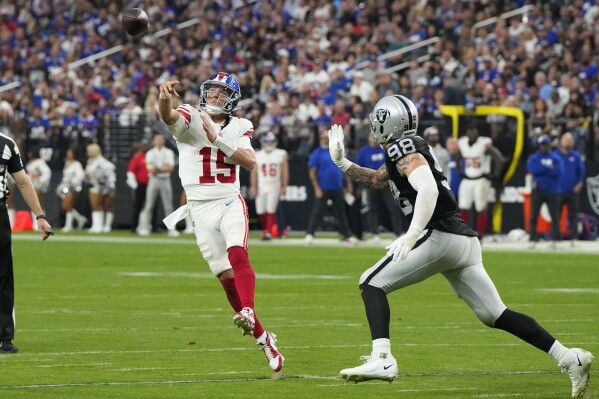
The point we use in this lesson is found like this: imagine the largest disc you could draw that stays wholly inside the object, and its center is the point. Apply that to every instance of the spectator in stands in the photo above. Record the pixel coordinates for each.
(570, 182)
(69, 189)
(372, 156)
(546, 168)
(137, 180)
(363, 89)
(327, 181)
(160, 162)
(101, 178)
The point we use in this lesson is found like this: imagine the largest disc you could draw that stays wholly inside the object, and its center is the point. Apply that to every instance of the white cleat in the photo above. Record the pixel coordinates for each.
(143, 232)
(269, 347)
(309, 239)
(244, 319)
(67, 229)
(350, 242)
(579, 371)
(374, 368)
(173, 233)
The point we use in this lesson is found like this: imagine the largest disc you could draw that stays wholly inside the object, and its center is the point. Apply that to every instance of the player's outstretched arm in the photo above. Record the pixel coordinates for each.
(375, 180)
(165, 102)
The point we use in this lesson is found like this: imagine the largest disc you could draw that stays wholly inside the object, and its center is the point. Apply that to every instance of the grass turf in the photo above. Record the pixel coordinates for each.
(146, 320)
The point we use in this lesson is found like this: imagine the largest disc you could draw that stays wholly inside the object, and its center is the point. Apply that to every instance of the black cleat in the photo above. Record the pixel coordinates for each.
(7, 347)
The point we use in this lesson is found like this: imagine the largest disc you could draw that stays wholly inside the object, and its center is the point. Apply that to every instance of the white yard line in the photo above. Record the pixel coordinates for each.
(266, 276)
(279, 377)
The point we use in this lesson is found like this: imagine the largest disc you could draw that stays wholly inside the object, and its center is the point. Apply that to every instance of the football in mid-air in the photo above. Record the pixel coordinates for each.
(135, 21)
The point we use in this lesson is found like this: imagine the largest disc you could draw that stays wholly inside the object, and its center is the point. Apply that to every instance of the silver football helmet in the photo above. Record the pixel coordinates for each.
(393, 117)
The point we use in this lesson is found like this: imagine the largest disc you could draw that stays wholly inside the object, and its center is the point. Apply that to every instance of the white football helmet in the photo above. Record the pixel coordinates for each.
(229, 101)
(393, 117)
(268, 141)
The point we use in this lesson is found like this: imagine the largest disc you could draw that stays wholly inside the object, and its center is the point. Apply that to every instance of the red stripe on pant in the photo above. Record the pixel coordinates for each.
(247, 221)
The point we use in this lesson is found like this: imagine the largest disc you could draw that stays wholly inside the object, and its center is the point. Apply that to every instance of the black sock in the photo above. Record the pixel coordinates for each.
(526, 328)
(377, 310)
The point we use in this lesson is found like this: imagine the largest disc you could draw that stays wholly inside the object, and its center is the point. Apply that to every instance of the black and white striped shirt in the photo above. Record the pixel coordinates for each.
(10, 162)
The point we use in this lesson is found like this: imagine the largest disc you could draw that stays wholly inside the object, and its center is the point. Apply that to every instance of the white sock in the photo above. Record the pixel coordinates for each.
(68, 223)
(97, 220)
(76, 214)
(560, 353)
(109, 219)
(261, 339)
(381, 347)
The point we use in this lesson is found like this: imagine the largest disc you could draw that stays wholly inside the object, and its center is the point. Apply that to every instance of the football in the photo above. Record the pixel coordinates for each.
(135, 21)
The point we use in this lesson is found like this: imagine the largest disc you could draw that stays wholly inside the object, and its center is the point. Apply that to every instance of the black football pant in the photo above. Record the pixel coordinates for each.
(320, 204)
(7, 287)
(138, 205)
(378, 201)
(571, 202)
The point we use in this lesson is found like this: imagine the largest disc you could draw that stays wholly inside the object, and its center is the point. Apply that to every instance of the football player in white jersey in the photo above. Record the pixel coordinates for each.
(268, 181)
(437, 241)
(212, 145)
(69, 189)
(101, 177)
(481, 160)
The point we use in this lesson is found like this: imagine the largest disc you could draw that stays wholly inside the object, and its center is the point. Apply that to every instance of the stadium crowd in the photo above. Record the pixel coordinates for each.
(300, 64)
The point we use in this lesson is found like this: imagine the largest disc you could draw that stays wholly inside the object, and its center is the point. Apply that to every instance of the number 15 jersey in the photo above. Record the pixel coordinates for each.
(446, 215)
(205, 172)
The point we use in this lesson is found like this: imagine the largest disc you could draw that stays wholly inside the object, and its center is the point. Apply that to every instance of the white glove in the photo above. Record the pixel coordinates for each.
(131, 180)
(336, 148)
(400, 248)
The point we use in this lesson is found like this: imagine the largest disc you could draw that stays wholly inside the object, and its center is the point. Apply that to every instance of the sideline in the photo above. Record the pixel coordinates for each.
(488, 245)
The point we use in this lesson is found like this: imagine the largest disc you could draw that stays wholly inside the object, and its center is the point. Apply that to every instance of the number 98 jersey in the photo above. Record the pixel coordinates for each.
(446, 214)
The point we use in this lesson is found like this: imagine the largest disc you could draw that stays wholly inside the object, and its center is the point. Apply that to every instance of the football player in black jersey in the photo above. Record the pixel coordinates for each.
(437, 241)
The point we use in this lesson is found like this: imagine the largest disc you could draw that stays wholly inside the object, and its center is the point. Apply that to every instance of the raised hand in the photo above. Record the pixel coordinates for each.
(336, 147)
(168, 88)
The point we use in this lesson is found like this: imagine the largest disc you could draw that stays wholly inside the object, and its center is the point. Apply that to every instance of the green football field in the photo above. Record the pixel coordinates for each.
(122, 317)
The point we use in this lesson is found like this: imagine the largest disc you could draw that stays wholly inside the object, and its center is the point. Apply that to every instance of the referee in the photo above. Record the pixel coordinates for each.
(10, 162)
